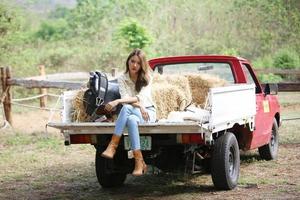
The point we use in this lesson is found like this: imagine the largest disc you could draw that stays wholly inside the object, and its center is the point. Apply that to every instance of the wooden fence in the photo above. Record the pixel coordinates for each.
(51, 81)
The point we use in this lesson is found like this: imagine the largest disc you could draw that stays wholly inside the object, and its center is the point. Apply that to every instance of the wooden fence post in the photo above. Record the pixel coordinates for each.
(3, 78)
(43, 91)
(6, 95)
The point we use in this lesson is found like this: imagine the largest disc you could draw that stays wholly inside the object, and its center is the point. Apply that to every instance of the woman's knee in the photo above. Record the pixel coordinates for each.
(127, 107)
(132, 119)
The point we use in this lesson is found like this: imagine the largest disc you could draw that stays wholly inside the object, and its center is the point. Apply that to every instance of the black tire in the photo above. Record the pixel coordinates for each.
(105, 171)
(270, 150)
(225, 163)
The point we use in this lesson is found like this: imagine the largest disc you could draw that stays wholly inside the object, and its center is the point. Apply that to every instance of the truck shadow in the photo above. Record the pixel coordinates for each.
(56, 182)
(160, 186)
(249, 157)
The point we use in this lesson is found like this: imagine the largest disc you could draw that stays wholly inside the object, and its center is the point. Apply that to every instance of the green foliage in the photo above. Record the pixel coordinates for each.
(269, 78)
(59, 13)
(9, 20)
(263, 62)
(230, 52)
(89, 35)
(133, 35)
(10, 24)
(86, 17)
(286, 59)
(56, 57)
(53, 30)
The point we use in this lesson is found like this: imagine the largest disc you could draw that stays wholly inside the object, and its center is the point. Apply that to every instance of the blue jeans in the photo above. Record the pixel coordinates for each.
(130, 117)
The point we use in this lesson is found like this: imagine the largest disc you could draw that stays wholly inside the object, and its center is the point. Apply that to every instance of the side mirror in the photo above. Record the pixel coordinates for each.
(160, 69)
(271, 88)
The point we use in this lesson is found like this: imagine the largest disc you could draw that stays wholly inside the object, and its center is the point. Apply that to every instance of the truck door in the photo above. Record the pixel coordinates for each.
(261, 134)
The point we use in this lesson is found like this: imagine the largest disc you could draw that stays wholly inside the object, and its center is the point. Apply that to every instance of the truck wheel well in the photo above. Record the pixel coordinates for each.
(241, 132)
(219, 134)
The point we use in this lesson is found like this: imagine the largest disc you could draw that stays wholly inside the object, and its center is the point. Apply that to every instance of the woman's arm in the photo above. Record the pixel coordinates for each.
(113, 104)
(144, 112)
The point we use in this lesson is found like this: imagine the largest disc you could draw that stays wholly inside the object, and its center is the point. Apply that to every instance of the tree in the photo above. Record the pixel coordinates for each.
(133, 35)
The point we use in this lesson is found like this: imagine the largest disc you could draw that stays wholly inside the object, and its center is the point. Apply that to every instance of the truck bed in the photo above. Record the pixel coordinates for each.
(227, 106)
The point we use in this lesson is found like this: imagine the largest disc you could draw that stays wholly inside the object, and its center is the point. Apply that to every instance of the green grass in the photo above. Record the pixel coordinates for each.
(289, 132)
(289, 98)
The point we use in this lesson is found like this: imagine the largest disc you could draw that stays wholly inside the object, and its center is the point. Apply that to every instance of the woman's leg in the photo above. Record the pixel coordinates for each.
(125, 112)
(140, 166)
(132, 124)
(133, 131)
(133, 120)
(120, 125)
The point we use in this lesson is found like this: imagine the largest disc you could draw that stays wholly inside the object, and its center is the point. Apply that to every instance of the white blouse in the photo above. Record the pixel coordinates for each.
(127, 89)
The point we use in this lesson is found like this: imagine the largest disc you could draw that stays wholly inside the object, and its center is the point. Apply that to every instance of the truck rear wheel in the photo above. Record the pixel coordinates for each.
(106, 173)
(270, 150)
(225, 166)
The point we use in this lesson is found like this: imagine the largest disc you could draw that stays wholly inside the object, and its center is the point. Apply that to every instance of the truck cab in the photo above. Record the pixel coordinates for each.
(235, 70)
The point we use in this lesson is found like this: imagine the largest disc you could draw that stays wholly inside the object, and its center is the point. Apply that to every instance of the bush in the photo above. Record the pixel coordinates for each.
(269, 78)
(230, 52)
(133, 34)
(53, 30)
(286, 59)
(263, 62)
(56, 57)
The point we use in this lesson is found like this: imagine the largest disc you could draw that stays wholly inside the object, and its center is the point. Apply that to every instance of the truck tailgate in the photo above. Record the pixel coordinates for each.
(147, 128)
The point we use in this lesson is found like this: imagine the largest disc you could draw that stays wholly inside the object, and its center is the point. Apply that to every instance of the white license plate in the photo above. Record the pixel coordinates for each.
(146, 142)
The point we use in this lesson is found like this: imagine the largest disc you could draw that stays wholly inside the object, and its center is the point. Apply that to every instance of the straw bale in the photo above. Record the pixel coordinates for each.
(200, 85)
(180, 81)
(79, 114)
(167, 98)
(170, 93)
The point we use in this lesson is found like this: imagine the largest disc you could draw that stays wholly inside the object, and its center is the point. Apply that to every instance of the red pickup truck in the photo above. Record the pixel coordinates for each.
(241, 115)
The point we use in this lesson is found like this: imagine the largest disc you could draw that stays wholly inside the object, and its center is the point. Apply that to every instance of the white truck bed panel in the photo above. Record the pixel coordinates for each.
(231, 104)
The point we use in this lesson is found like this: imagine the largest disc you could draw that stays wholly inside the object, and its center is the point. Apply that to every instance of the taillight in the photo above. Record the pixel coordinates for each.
(82, 139)
(190, 139)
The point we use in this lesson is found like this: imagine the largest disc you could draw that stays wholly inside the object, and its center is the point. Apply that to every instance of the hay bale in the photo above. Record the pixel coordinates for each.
(200, 84)
(170, 93)
(181, 82)
(167, 98)
(79, 114)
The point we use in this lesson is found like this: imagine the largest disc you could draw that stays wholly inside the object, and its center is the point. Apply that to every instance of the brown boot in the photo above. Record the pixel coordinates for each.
(112, 147)
(140, 167)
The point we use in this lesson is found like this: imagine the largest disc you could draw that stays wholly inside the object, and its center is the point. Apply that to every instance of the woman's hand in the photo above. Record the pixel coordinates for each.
(111, 105)
(144, 113)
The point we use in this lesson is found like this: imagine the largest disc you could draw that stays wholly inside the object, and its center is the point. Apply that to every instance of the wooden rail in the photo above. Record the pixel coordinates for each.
(294, 72)
(46, 84)
(64, 76)
(288, 87)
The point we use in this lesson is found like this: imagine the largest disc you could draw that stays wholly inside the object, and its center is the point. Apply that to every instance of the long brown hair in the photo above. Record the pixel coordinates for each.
(143, 74)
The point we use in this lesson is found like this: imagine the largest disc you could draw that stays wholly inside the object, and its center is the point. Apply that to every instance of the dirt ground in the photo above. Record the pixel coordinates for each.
(36, 165)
